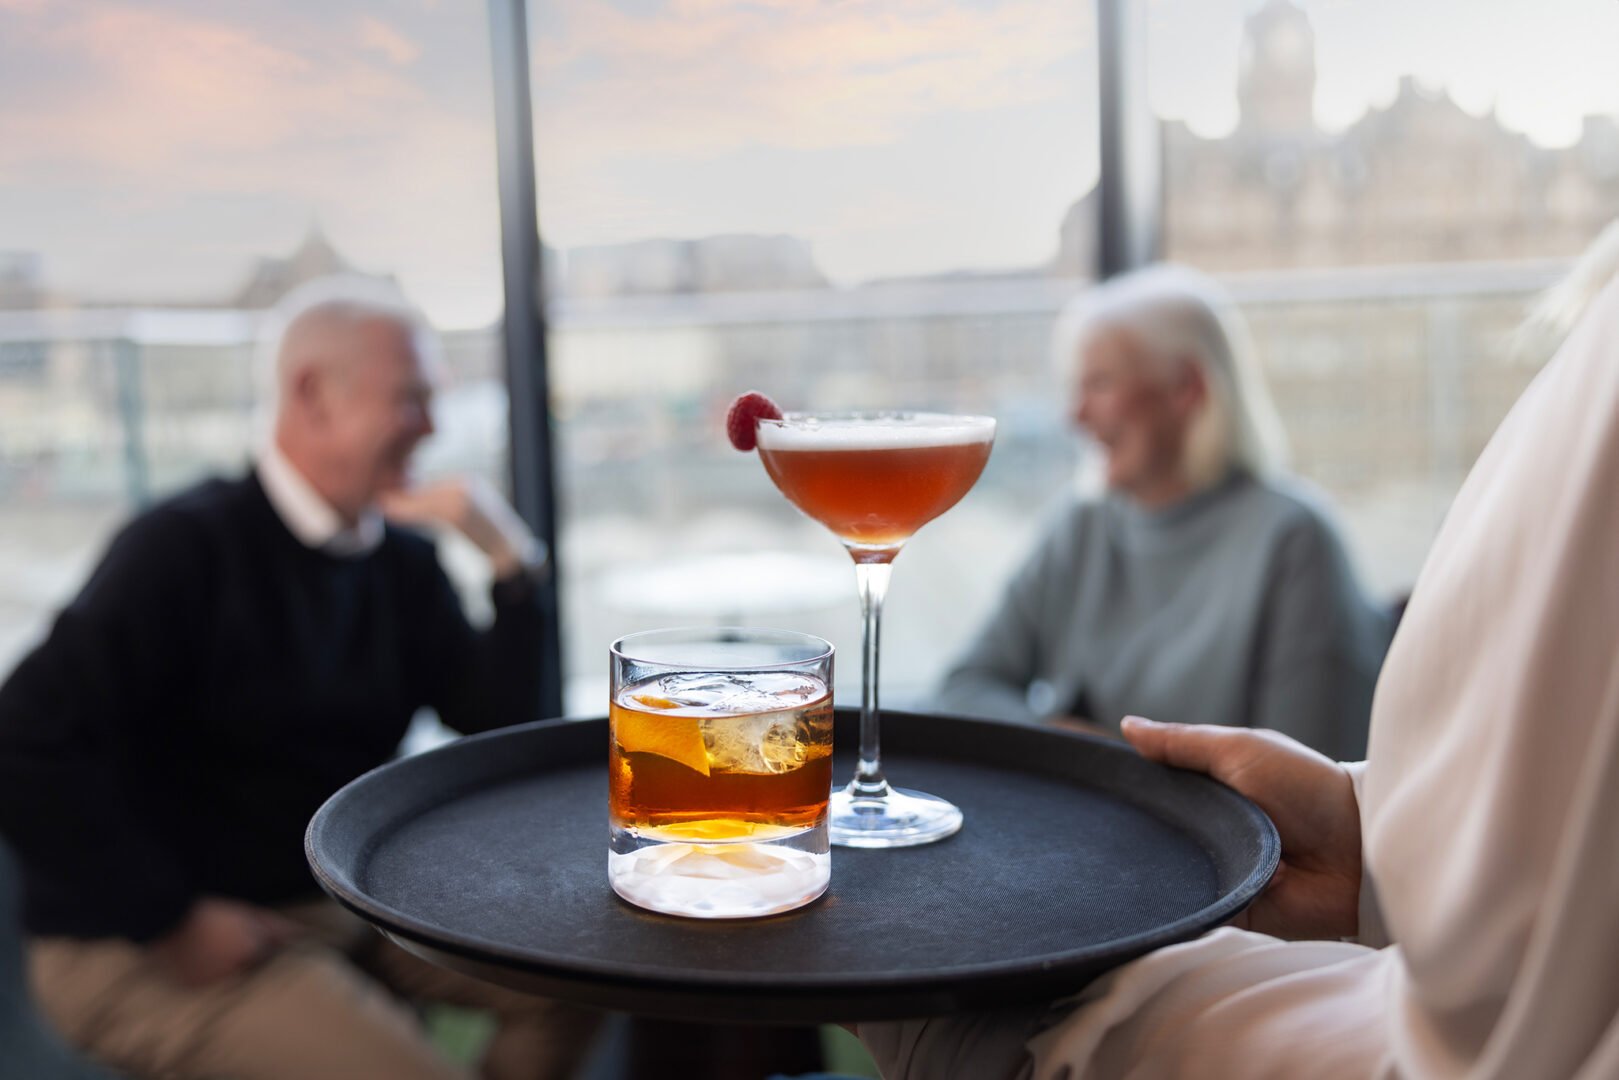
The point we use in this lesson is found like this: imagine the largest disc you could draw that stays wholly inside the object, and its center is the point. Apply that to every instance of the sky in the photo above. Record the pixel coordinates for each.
(150, 150)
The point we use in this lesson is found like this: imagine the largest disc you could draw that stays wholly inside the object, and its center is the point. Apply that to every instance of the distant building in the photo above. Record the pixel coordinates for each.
(713, 264)
(22, 280)
(273, 278)
(1076, 240)
(468, 355)
(1419, 181)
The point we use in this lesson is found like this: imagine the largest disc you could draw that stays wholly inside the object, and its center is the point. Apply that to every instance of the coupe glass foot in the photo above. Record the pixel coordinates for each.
(902, 818)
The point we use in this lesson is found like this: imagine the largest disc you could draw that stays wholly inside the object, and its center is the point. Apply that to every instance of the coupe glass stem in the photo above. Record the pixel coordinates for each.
(872, 578)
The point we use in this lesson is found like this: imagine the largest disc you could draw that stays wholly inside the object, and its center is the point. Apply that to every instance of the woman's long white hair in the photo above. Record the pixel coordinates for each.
(1561, 306)
(1181, 316)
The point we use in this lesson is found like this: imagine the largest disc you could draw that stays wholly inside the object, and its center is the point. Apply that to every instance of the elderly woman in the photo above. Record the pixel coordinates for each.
(1200, 587)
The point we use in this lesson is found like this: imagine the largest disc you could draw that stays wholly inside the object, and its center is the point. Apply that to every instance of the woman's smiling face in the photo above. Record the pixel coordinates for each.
(1138, 409)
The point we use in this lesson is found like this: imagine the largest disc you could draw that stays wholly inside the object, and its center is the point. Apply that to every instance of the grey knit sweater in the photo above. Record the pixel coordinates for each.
(1236, 606)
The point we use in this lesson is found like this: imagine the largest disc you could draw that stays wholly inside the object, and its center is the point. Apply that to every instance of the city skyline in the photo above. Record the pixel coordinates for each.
(841, 124)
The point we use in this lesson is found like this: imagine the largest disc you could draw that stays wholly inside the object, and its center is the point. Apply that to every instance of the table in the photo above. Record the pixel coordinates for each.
(488, 856)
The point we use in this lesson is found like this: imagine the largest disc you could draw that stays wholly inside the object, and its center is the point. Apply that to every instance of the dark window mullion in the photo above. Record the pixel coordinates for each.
(533, 471)
(1130, 184)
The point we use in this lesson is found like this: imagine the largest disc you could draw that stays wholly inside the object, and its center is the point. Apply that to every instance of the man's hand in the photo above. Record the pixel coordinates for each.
(475, 510)
(220, 938)
(1316, 891)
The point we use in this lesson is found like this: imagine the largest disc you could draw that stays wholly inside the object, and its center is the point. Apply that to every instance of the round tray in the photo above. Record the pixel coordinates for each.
(489, 856)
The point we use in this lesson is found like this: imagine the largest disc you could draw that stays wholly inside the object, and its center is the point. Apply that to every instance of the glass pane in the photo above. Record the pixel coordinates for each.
(168, 171)
(1385, 187)
(845, 206)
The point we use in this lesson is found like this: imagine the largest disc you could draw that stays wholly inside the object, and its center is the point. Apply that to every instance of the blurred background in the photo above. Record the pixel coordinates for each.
(864, 204)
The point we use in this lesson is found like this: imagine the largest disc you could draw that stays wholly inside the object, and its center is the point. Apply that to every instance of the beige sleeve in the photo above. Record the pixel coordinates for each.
(983, 1046)
(1373, 930)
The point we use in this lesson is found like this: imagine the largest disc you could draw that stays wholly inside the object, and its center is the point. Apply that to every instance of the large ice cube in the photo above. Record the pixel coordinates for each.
(697, 691)
(750, 723)
(766, 743)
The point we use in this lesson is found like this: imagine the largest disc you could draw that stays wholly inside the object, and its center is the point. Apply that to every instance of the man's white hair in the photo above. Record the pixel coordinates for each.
(1181, 316)
(341, 301)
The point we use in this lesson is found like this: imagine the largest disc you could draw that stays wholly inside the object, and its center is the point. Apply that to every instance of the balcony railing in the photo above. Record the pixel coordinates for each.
(1389, 381)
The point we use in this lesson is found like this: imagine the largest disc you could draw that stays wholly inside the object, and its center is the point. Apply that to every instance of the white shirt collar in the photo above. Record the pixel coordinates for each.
(311, 518)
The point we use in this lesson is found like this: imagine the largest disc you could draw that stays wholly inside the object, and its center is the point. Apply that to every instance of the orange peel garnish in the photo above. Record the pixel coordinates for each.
(677, 738)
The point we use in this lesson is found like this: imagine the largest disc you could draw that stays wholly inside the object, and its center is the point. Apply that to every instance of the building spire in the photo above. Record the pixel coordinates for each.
(1276, 71)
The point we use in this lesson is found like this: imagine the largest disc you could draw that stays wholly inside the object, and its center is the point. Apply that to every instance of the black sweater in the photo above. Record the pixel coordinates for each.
(213, 683)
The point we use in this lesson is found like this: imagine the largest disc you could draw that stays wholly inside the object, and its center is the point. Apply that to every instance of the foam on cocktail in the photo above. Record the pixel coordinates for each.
(905, 431)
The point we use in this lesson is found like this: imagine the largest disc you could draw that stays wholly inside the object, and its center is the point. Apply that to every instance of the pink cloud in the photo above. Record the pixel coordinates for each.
(379, 37)
(707, 76)
(165, 96)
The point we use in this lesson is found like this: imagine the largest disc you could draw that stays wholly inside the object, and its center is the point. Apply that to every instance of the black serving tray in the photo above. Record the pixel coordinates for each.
(489, 856)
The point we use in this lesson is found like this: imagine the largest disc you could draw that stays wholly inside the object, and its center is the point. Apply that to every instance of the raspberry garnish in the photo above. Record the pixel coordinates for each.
(743, 419)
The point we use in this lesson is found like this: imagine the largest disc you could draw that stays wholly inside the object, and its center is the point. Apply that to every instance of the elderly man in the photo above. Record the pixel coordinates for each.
(243, 649)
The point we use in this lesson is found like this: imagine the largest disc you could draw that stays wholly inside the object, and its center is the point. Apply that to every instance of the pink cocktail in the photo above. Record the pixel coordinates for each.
(874, 479)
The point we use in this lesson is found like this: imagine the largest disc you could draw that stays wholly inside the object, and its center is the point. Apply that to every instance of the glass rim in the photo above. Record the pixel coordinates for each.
(875, 415)
(723, 635)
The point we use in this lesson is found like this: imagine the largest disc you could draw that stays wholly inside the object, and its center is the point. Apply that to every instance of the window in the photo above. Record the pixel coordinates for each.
(1385, 206)
(862, 205)
(167, 171)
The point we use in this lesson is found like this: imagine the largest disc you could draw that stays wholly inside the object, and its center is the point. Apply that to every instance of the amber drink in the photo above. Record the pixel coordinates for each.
(719, 767)
(875, 482)
(874, 479)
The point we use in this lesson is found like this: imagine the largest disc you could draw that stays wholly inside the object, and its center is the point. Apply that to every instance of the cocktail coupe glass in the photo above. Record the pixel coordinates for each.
(874, 479)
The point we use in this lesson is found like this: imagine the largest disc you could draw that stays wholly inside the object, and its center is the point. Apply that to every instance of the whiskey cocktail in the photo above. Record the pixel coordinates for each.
(719, 768)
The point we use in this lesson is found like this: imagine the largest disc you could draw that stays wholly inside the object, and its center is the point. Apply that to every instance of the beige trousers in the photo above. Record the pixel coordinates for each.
(308, 1013)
